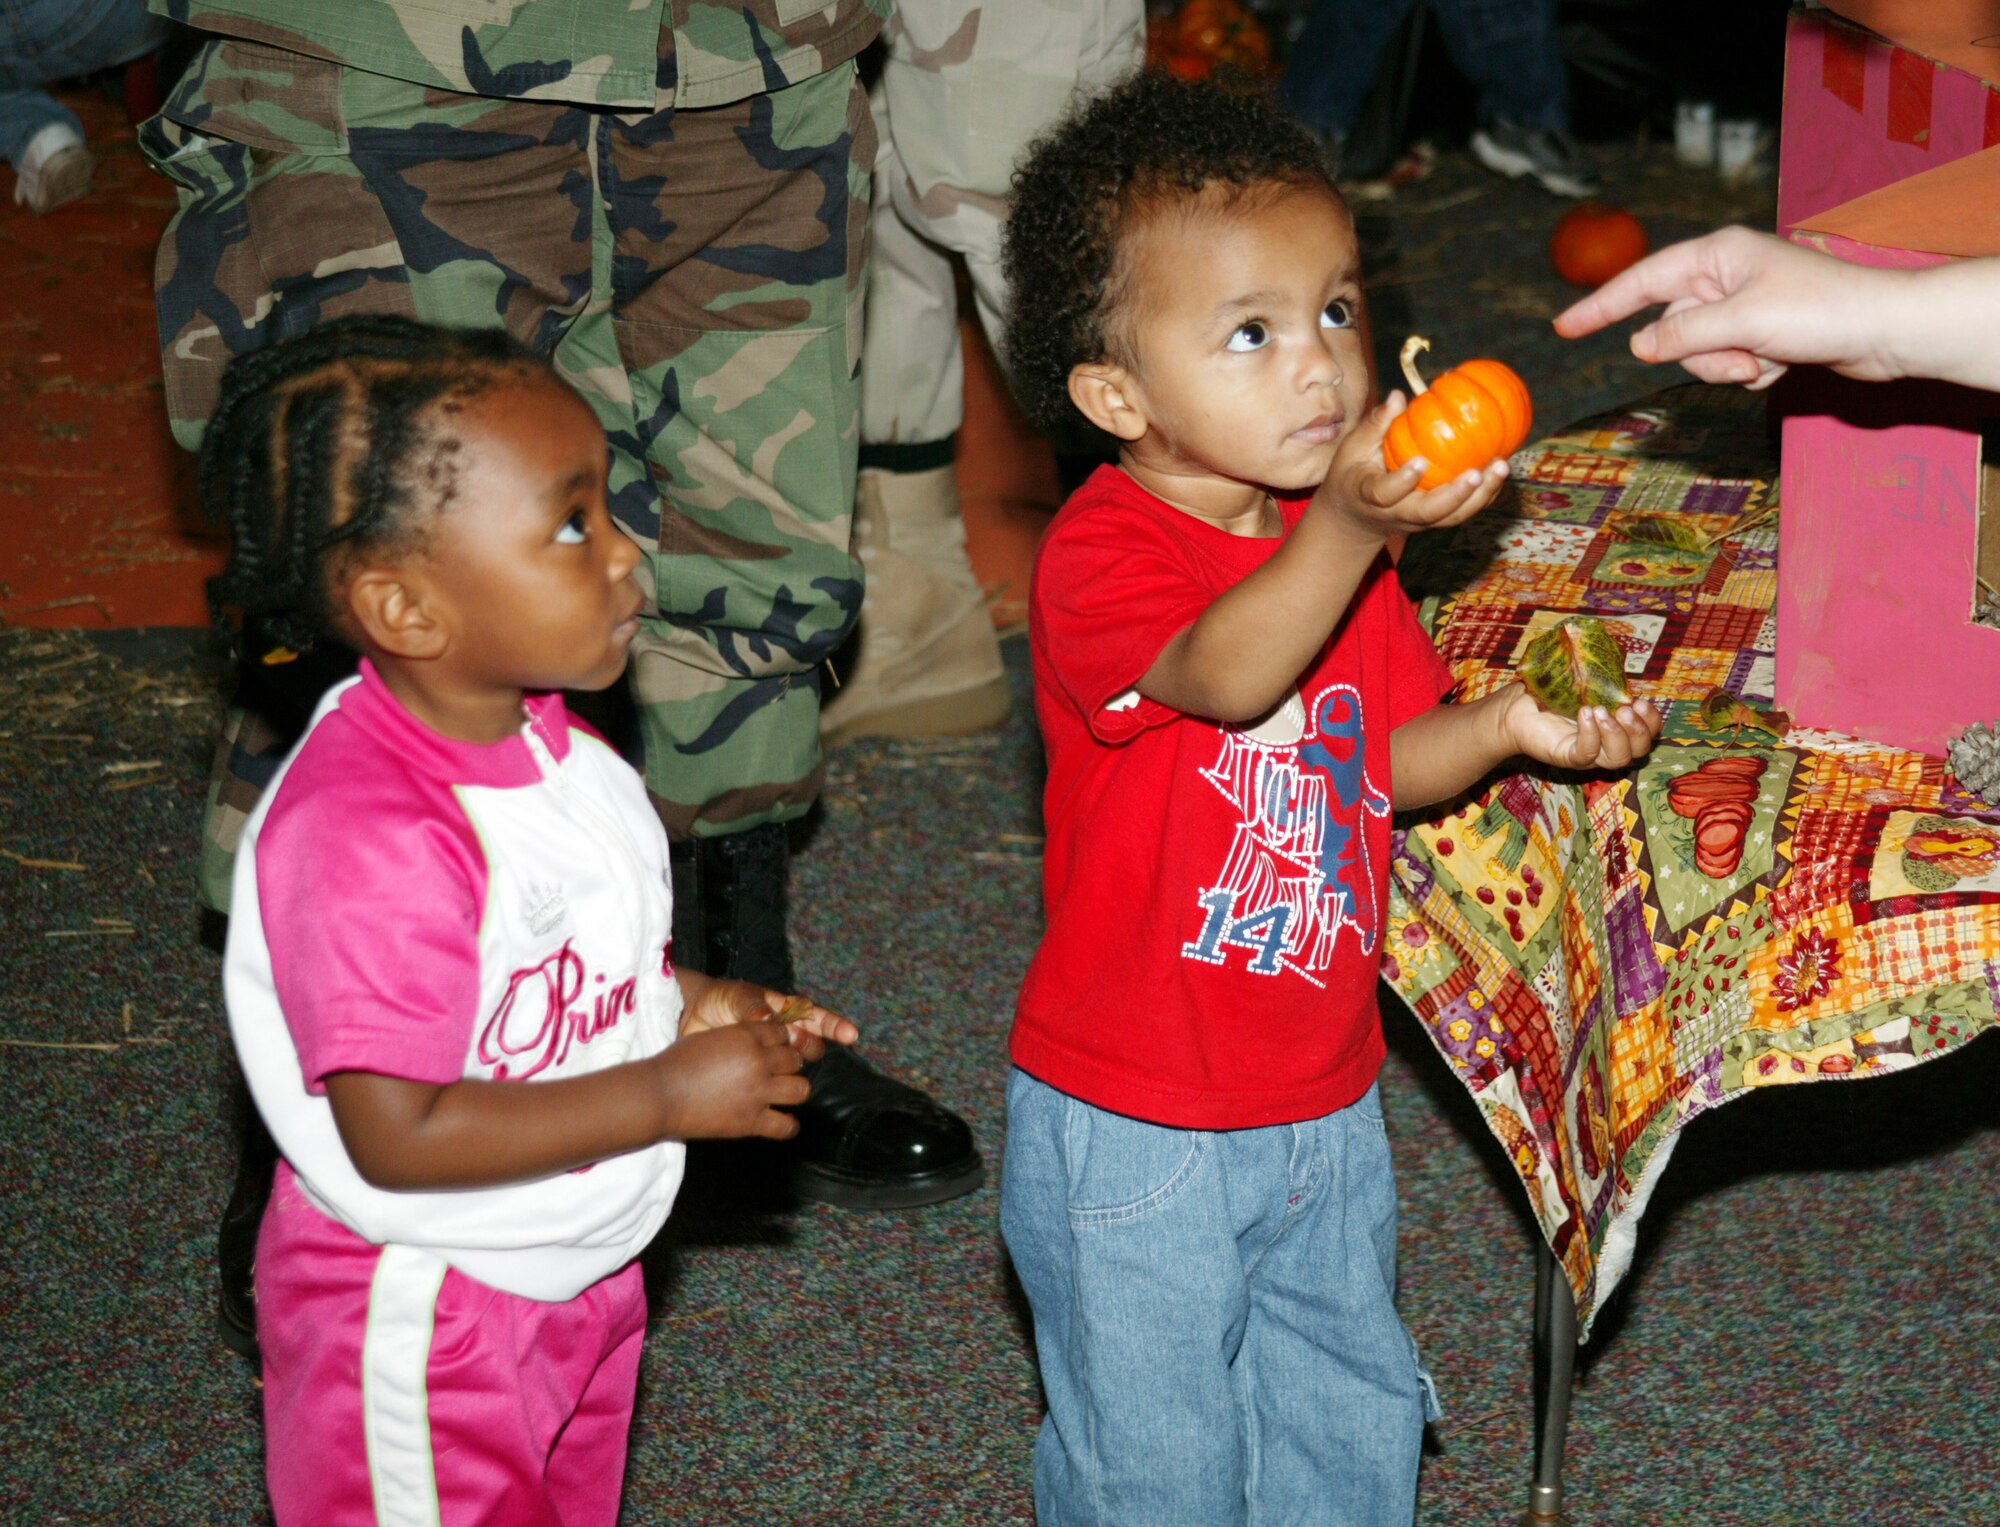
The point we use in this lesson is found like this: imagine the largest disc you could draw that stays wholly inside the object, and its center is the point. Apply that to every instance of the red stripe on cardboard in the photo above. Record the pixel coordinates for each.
(1843, 62)
(1910, 79)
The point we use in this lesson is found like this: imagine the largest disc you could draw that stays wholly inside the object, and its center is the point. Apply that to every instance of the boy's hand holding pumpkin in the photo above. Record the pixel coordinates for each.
(1379, 503)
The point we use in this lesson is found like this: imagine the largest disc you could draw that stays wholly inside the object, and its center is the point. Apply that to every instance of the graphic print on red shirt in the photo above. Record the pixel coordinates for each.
(1299, 869)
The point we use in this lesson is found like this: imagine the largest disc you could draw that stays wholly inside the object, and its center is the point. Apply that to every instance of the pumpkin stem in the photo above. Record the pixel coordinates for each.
(1411, 346)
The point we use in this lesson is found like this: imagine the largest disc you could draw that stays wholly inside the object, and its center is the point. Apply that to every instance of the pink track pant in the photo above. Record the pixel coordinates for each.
(399, 1392)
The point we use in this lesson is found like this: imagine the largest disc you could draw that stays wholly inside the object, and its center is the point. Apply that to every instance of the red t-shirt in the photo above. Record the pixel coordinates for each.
(1213, 893)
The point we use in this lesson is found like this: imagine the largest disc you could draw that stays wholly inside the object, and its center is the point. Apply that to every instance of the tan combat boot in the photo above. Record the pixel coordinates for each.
(927, 662)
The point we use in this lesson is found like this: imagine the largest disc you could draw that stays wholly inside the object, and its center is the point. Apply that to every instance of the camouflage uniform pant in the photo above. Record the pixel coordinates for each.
(697, 275)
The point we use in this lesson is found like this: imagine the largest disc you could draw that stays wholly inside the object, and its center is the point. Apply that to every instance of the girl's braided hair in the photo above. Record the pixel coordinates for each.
(323, 443)
(1146, 143)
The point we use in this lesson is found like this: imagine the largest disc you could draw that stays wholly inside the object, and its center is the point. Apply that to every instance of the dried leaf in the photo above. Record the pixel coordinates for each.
(1720, 711)
(1660, 530)
(795, 1009)
(1579, 663)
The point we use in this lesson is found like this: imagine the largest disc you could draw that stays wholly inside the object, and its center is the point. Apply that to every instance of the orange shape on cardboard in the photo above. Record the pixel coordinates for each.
(1953, 209)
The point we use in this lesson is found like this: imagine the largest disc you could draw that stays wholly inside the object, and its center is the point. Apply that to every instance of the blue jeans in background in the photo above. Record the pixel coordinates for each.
(45, 40)
(1506, 48)
(1215, 1318)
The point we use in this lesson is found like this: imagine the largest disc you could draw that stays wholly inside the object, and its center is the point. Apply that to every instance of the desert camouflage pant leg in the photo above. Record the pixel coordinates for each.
(697, 275)
(965, 86)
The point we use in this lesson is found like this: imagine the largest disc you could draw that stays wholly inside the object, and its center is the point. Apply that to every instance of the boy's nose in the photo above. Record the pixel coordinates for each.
(1321, 367)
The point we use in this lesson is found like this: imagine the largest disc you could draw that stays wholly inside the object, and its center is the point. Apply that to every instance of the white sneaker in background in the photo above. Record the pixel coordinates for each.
(1548, 157)
(55, 168)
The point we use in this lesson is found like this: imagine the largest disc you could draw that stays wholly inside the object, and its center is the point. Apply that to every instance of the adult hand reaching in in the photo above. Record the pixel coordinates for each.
(1743, 306)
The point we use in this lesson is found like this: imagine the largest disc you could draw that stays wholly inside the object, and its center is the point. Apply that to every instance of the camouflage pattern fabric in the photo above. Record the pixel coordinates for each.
(637, 55)
(246, 756)
(697, 275)
(965, 86)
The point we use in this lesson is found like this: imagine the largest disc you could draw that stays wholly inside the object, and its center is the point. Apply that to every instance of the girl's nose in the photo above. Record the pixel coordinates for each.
(624, 555)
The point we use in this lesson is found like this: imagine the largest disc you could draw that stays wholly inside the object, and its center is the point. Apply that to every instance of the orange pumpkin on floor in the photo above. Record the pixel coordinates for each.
(1475, 413)
(1594, 242)
(1202, 35)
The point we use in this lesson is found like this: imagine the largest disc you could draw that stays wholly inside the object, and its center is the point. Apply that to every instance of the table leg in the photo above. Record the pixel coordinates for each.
(1555, 1366)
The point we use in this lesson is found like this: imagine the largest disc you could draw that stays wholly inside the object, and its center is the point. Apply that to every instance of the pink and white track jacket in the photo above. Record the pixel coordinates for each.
(428, 909)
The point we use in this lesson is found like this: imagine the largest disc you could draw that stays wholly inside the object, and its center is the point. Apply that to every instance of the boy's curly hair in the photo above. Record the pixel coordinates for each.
(1145, 142)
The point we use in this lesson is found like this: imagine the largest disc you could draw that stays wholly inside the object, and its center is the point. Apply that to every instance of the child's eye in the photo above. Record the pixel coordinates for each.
(1337, 315)
(572, 531)
(1248, 336)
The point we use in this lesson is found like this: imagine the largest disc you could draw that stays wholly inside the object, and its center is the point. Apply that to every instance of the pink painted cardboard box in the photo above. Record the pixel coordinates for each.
(1889, 156)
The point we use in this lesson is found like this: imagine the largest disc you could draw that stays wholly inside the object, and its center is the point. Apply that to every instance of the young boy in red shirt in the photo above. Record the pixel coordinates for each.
(1234, 694)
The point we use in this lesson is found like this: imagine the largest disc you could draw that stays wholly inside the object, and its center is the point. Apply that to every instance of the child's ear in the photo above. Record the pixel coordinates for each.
(395, 612)
(1104, 394)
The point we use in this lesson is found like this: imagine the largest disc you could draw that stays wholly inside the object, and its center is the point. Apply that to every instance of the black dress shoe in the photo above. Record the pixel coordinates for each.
(865, 1141)
(236, 1239)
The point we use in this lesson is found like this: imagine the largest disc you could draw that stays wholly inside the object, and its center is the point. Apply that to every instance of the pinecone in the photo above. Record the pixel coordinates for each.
(1975, 758)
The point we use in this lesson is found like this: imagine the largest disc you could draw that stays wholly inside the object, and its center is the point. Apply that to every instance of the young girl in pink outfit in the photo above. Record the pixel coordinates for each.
(448, 972)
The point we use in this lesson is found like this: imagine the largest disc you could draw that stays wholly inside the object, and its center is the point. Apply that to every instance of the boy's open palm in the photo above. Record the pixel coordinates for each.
(1380, 503)
(1597, 739)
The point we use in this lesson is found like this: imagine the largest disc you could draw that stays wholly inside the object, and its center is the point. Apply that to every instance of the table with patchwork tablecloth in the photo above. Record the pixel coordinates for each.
(1601, 958)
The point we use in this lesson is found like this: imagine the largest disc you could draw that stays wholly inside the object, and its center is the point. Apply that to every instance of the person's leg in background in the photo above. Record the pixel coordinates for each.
(925, 657)
(1333, 64)
(1509, 51)
(735, 256)
(964, 87)
(46, 40)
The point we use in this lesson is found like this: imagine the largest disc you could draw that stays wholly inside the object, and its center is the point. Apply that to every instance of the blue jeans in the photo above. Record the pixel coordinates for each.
(45, 40)
(1215, 1317)
(1506, 48)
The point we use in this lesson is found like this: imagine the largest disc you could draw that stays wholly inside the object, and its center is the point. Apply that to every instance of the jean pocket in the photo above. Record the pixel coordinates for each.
(1122, 1169)
(1368, 1107)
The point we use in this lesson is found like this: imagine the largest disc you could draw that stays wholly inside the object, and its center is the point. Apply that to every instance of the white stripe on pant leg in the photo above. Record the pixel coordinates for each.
(395, 1401)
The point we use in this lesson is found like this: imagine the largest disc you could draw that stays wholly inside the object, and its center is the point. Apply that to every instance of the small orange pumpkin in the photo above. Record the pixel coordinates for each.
(1475, 413)
(1593, 242)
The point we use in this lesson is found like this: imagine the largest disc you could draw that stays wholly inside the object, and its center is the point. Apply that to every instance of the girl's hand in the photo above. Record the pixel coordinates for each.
(1597, 739)
(728, 1082)
(712, 1002)
(1380, 503)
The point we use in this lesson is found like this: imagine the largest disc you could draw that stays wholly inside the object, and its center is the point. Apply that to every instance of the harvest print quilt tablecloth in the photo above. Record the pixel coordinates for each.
(1600, 959)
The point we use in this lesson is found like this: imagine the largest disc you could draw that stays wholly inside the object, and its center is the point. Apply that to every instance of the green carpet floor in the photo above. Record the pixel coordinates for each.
(1808, 1336)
